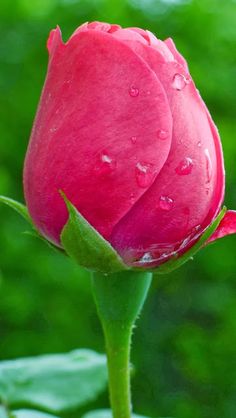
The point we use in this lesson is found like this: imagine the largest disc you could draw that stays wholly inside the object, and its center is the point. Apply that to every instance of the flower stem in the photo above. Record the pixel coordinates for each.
(119, 298)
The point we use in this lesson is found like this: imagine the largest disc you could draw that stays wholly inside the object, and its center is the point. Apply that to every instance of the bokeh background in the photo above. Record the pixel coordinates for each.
(184, 348)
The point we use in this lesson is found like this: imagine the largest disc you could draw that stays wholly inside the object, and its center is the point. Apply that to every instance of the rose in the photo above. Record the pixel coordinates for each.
(122, 130)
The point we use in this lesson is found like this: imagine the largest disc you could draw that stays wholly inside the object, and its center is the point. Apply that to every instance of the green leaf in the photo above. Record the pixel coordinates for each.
(55, 382)
(105, 413)
(17, 206)
(84, 244)
(176, 262)
(30, 413)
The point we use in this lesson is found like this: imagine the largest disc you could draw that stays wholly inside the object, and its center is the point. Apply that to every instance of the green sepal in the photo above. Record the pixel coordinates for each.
(18, 207)
(178, 261)
(86, 246)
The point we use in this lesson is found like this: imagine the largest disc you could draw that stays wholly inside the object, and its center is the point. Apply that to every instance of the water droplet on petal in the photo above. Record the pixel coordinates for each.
(145, 174)
(166, 203)
(199, 144)
(133, 91)
(162, 134)
(185, 167)
(208, 165)
(106, 159)
(105, 165)
(179, 81)
(53, 129)
(133, 139)
(146, 258)
(132, 199)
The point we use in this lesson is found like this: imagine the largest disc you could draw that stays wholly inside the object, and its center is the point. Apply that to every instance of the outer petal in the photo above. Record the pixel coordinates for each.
(161, 46)
(188, 192)
(226, 227)
(178, 57)
(96, 134)
(129, 34)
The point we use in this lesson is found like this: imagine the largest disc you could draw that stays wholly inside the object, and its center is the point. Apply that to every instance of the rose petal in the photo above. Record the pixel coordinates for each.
(54, 40)
(188, 191)
(161, 46)
(179, 58)
(128, 34)
(226, 227)
(96, 134)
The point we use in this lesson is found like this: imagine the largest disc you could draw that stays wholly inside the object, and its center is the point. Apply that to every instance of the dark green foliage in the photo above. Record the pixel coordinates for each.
(184, 348)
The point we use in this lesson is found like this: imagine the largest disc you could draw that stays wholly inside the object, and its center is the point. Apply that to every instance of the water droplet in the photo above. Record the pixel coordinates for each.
(162, 134)
(179, 81)
(146, 258)
(185, 167)
(105, 165)
(166, 203)
(132, 199)
(193, 234)
(133, 91)
(199, 144)
(145, 174)
(208, 165)
(53, 129)
(133, 139)
(106, 159)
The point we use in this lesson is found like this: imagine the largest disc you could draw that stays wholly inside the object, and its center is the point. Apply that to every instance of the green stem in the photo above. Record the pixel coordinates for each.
(118, 358)
(119, 298)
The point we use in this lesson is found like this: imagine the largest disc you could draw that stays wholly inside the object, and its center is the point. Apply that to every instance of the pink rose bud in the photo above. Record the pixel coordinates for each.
(122, 130)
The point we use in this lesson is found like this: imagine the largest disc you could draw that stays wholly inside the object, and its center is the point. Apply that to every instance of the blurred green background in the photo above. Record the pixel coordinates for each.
(184, 349)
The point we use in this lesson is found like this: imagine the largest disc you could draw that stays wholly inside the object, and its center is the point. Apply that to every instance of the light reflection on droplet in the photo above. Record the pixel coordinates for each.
(180, 81)
(133, 139)
(208, 165)
(166, 203)
(185, 167)
(162, 134)
(145, 174)
(133, 91)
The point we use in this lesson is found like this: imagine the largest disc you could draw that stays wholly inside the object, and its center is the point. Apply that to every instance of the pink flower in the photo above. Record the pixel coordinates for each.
(123, 131)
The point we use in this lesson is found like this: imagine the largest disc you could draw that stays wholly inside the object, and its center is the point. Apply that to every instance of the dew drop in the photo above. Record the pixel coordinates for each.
(132, 199)
(166, 203)
(145, 174)
(162, 134)
(185, 167)
(146, 258)
(179, 82)
(133, 139)
(133, 91)
(208, 166)
(106, 159)
(199, 144)
(53, 129)
(105, 165)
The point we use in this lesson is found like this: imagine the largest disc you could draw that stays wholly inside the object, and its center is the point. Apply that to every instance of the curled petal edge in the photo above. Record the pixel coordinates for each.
(226, 227)
(54, 40)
